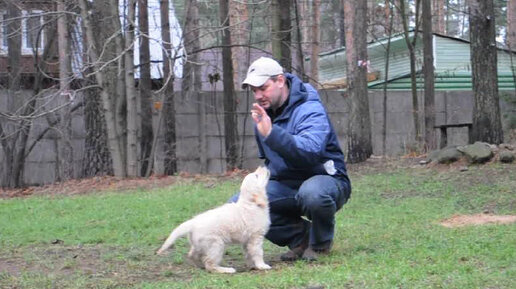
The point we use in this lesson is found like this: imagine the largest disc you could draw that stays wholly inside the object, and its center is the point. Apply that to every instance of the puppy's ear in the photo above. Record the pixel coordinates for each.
(259, 200)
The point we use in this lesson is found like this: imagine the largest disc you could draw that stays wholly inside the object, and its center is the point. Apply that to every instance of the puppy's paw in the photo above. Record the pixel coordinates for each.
(161, 252)
(263, 267)
(222, 270)
(229, 270)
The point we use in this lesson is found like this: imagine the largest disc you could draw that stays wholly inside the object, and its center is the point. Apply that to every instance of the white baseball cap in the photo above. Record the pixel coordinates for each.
(260, 71)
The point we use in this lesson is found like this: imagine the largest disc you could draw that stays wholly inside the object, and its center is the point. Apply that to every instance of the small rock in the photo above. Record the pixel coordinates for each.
(478, 153)
(448, 155)
(506, 156)
(433, 156)
(506, 146)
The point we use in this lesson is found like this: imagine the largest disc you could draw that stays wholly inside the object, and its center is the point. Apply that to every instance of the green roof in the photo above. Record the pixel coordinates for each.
(451, 63)
(442, 82)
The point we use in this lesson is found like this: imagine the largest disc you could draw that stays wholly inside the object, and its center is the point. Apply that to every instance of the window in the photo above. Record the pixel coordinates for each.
(33, 35)
(3, 32)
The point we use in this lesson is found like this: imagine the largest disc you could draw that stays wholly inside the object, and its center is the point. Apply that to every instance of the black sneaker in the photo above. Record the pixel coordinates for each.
(311, 255)
(295, 253)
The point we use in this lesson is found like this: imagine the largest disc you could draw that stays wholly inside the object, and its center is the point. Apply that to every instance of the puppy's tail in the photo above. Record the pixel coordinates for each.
(178, 232)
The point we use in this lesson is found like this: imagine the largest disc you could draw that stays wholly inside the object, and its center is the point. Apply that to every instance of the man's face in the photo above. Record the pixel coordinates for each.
(269, 95)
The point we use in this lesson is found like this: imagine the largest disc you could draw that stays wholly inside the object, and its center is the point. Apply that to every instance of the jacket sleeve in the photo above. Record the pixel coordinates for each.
(306, 144)
(261, 154)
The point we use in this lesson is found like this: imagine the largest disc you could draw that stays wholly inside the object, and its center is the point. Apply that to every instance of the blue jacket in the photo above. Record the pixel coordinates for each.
(302, 139)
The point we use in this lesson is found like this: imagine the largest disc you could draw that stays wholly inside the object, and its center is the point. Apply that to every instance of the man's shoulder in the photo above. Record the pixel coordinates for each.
(310, 107)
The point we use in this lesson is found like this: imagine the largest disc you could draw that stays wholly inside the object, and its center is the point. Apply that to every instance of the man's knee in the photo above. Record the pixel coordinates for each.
(312, 197)
(319, 192)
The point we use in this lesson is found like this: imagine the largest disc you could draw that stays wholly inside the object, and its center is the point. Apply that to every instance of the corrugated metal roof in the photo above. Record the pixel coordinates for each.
(451, 60)
(457, 81)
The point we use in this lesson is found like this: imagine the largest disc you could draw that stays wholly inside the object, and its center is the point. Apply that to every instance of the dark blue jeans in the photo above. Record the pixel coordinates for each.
(301, 208)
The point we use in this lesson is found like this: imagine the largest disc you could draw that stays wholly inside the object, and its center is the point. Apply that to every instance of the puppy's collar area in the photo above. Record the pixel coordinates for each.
(256, 199)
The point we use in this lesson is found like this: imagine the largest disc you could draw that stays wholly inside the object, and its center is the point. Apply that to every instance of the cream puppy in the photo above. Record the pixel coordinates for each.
(245, 222)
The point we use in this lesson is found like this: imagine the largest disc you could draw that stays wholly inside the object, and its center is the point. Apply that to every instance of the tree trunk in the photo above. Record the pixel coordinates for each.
(463, 28)
(14, 134)
(118, 76)
(191, 40)
(428, 72)
(388, 16)
(239, 17)
(97, 157)
(230, 119)
(65, 161)
(97, 160)
(299, 45)
(168, 109)
(29, 107)
(286, 36)
(342, 34)
(438, 23)
(314, 57)
(275, 28)
(192, 74)
(359, 132)
(145, 88)
(487, 125)
(389, 22)
(131, 98)
(7, 128)
(281, 27)
(305, 24)
(510, 39)
(102, 76)
(511, 24)
(13, 48)
(411, 46)
(62, 34)
(398, 17)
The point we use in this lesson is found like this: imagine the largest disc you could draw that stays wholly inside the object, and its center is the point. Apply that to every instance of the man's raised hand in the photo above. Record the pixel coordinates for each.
(261, 119)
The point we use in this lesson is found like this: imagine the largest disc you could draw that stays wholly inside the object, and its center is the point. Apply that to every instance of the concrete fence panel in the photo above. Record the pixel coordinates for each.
(200, 128)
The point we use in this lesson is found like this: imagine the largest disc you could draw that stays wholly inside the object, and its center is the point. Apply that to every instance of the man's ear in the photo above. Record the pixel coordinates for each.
(281, 79)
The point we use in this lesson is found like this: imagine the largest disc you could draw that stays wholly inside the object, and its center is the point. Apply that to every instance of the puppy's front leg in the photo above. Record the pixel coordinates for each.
(254, 253)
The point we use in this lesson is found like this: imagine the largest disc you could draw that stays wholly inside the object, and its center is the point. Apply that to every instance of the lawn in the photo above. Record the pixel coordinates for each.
(388, 235)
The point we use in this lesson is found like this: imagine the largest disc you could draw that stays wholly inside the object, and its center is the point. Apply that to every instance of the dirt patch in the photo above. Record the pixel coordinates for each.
(478, 219)
(114, 184)
(121, 265)
(373, 165)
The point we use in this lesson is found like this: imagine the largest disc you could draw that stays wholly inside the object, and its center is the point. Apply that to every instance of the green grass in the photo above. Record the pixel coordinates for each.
(388, 236)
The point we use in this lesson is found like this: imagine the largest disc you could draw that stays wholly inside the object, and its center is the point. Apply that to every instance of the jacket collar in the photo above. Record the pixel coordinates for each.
(297, 95)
